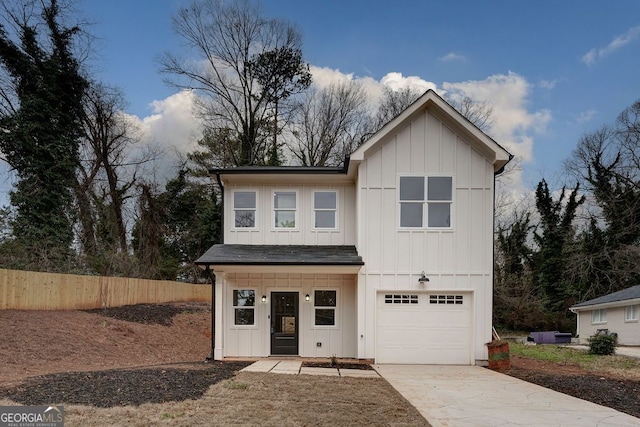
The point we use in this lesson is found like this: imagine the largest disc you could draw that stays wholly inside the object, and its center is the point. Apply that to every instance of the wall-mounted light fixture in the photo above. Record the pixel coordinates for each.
(307, 297)
(264, 298)
(423, 278)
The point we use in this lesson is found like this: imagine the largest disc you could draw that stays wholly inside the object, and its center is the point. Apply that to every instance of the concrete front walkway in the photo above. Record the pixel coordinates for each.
(294, 367)
(475, 396)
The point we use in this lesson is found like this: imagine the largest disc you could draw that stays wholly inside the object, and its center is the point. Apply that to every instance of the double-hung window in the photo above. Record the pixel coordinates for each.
(631, 313)
(244, 302)
(425, 201)
(599, 316)
(324, 303)
(244, 209)
(325, 207)
(285, 211)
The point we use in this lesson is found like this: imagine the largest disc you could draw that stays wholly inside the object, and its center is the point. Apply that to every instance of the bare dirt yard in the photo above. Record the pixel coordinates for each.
(619, 390)
(144, 365)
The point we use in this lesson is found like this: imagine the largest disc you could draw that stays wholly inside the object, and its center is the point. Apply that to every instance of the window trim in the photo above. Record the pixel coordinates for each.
(335, 210)
(602, 316)
(627, 312)
(323, 307)
(425, 202)
(295, 210)
(235, 307)
(255, 210)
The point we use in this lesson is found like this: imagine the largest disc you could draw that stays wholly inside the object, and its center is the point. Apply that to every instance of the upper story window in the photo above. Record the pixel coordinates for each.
(285, 209)
(425, 201)
(325, 207)
(244, 209)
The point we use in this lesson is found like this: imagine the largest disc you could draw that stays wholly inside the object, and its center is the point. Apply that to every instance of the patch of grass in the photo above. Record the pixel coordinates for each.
(572, 356)
(234, 385)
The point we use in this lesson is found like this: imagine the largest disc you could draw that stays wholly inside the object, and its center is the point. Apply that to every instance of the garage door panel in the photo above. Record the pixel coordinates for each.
(434, 329)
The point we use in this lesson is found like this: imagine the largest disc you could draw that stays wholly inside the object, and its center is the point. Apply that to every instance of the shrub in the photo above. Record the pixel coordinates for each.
(602, 344)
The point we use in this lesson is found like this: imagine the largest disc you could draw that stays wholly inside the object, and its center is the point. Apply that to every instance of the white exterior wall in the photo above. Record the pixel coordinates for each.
(304, 233)
(628, 331)
(459, 259)
(255, 340)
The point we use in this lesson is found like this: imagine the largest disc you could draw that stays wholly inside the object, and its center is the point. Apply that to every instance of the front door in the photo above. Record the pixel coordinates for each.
(284, 323)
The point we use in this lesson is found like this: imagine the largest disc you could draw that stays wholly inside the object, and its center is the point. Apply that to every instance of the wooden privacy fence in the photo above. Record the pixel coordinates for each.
(28, 290)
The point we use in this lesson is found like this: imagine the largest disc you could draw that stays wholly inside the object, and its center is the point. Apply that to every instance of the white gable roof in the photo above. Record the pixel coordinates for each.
(432, 102)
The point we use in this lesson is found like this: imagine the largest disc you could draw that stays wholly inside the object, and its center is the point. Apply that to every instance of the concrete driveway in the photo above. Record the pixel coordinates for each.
(475, 396)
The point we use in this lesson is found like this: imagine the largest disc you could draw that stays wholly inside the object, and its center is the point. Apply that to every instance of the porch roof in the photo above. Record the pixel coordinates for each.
(280, 255)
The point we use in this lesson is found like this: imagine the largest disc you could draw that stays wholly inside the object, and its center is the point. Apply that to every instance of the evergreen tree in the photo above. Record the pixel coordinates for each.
(39, 138)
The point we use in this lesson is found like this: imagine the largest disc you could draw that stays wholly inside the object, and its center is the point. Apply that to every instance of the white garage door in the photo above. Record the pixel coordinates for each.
(424, 328)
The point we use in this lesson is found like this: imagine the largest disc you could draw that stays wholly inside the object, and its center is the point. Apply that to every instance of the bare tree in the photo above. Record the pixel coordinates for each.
(107, 173)
(228, 37)
(328, 124)
(480, 113)
(393, 103)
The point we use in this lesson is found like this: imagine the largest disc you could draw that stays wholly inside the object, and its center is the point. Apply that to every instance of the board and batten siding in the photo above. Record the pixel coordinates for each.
(459, 258)
(304, 233)
(255, 341)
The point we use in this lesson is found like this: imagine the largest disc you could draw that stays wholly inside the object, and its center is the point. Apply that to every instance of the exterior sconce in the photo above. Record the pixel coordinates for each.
(423, 278)
(307, 297)
(264, 298)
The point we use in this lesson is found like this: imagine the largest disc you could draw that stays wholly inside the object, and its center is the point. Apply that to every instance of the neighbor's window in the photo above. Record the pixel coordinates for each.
(599, 316)
(436, 192)
(631, 313)
(324, 303)
(325, 206)
(244, 208)
(285, 209)
(244, 301)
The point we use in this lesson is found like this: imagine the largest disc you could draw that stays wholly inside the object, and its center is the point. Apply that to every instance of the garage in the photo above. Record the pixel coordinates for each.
(424, 327)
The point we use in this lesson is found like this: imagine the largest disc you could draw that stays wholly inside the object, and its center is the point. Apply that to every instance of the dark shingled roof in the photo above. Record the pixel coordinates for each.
(280, 255)
(623, 295)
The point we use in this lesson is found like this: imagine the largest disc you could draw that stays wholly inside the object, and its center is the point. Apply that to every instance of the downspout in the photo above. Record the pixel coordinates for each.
(212, 276)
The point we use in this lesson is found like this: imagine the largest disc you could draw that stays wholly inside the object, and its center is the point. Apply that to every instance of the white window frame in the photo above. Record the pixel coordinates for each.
(323, 307)
(235, 307)
(631, 313)
(274, 226)
(316, 210)
(599, 316)
(426, 202)
(235, 210)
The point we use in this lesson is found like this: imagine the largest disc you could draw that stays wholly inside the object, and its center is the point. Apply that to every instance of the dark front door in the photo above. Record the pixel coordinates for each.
(284, 323)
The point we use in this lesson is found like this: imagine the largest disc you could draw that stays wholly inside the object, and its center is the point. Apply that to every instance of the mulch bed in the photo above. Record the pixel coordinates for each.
(339, 365)
(148, 314)
(620, 394)
(121, 387)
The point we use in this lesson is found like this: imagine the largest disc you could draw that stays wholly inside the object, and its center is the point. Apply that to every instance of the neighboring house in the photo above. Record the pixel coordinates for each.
(616, 313)
(389, 258)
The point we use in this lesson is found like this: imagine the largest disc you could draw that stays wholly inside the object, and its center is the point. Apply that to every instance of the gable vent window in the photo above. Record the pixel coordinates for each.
(446, 299)
(400, 299)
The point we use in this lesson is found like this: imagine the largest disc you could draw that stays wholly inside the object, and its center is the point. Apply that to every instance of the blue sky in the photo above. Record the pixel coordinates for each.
(556, 69)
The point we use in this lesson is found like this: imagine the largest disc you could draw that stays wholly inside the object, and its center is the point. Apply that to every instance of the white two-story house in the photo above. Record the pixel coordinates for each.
(389, 258)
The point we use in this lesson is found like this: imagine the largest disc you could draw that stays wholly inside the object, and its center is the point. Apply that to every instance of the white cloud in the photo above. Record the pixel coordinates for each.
(618, 42)
(546, 84)
(586, 116)
(513, 125)
(452, 56)
(172, 130)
